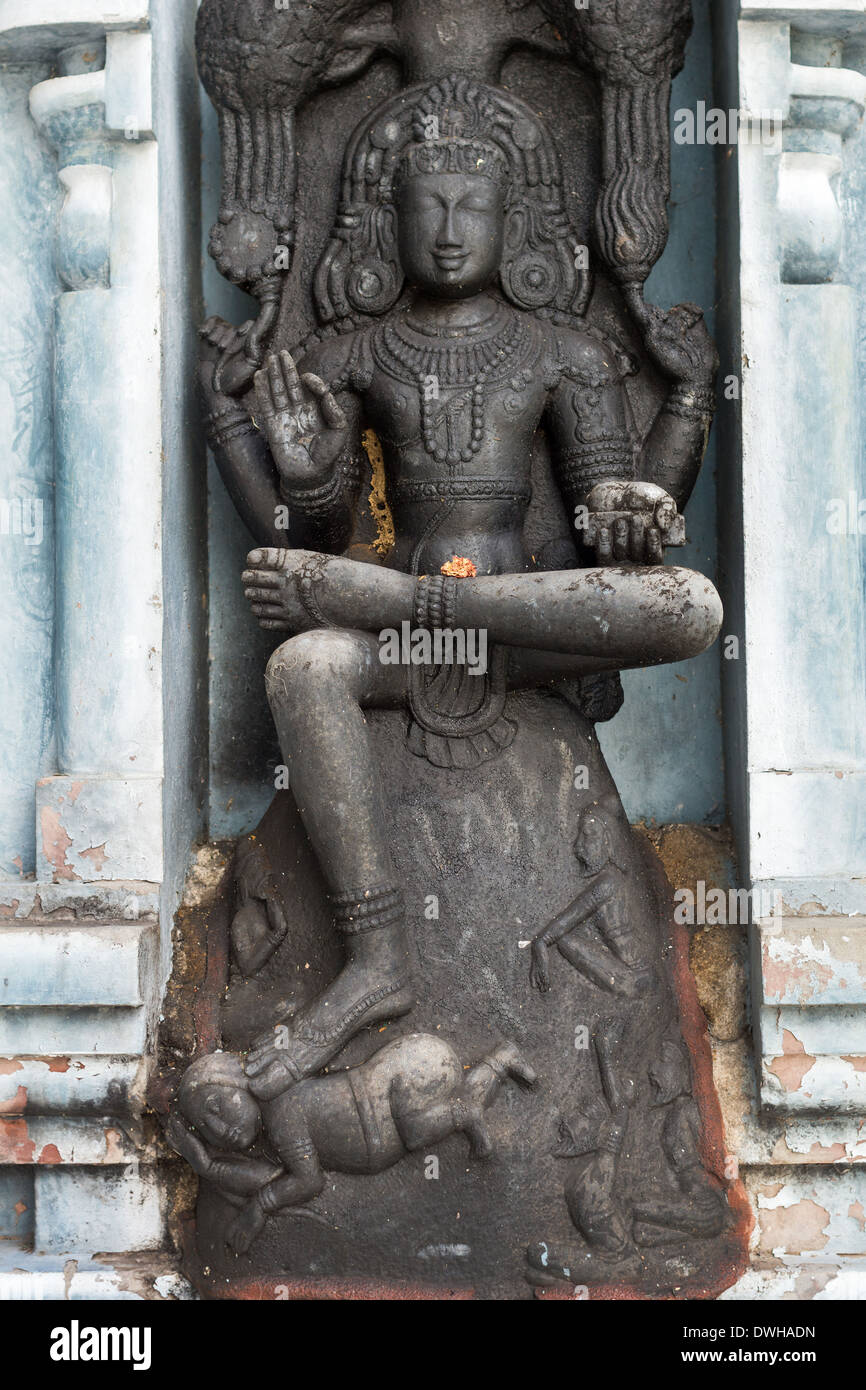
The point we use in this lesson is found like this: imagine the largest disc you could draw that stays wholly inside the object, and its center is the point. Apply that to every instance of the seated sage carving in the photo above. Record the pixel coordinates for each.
(540, 428)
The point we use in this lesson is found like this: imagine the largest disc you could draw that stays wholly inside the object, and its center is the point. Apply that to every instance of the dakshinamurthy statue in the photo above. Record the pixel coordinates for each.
(457, 328)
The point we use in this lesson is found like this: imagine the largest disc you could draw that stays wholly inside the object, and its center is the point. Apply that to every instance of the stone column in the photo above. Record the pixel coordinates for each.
(796, 697)
(26, 468)
(85, 940)
(99, 817)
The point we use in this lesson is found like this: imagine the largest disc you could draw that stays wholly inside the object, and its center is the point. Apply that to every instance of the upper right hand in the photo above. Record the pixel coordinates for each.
(301, 420)
(225, 368)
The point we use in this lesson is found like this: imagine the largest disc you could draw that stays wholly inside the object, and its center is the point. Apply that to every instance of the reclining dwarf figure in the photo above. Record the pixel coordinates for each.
(411, 1094)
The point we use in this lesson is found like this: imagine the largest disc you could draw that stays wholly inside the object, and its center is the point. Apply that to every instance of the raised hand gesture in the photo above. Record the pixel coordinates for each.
(303, 424)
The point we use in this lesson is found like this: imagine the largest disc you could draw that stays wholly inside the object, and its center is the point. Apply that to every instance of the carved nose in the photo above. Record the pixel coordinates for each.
(448, 232)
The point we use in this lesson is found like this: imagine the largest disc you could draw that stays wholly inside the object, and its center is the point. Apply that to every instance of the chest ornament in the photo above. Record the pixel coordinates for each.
(438, 365)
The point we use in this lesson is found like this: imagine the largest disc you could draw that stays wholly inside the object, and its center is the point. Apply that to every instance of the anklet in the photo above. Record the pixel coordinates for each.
(363, 912)
(307, 576)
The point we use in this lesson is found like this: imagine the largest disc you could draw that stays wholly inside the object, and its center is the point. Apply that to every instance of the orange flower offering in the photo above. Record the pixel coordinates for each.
(458, 567)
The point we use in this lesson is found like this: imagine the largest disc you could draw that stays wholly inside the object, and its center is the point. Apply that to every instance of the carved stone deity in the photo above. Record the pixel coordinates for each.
(462, 442)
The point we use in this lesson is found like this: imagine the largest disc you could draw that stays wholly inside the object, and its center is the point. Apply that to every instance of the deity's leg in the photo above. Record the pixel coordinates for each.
(317, 684)
(616, 617)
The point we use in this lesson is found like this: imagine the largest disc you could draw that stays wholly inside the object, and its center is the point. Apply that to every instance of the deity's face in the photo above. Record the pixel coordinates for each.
(225, 1116)
(451, 230)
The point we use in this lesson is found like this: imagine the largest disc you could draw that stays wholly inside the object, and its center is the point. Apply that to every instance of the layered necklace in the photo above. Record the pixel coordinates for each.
(453, 363)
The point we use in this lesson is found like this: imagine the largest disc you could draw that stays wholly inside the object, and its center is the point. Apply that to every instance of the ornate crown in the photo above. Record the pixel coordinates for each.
(453, 157)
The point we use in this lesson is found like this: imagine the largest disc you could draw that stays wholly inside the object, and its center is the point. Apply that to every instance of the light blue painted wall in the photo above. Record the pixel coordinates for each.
(28, 205)
(665, 746)
(185, 634)
(852, 269)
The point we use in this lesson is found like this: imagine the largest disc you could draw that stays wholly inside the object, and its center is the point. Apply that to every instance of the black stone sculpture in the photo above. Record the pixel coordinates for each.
(461, 440)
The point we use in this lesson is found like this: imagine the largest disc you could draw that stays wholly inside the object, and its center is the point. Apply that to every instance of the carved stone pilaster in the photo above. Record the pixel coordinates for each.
(112, 249)
(795, 699)
(825, 109)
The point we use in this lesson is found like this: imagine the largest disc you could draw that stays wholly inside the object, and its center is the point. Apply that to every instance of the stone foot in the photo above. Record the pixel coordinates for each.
(373, 986)
(507, 1057)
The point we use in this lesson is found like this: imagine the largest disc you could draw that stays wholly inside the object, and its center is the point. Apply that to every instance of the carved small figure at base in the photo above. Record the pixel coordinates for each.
(411, 1094)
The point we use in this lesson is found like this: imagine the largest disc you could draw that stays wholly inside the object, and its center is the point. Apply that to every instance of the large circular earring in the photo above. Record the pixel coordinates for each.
(373, 285)
(530, 280)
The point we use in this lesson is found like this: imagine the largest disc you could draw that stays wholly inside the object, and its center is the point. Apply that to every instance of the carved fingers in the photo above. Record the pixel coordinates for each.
(305, 426)
(278, 386)
(679, 342)
(264, 1049)
(268, 1070)
(187, 1144)
(539, 970)
(632, 522)
(226, 348)
(624, 540)
(332, 414)
(267, 1066)
(278, 923)
(217, 333)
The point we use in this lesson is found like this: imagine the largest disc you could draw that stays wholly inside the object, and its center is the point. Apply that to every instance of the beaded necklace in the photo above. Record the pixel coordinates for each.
(454, 364)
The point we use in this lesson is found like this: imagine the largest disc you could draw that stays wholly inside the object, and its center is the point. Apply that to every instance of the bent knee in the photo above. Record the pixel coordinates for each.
(696, 619)
(321, 659)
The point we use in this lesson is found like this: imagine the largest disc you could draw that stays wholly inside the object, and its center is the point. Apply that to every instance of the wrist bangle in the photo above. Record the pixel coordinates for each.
(435, 602)
(691, 402)
(314, 499)
(226, 424)
(608, 461)
(319, 501)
